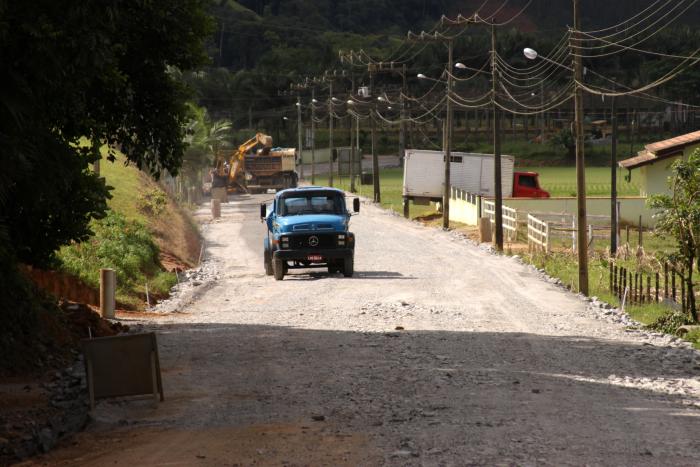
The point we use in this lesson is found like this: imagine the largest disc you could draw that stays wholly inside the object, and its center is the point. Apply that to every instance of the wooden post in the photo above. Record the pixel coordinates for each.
(613, 279)
(648, 298)
(627, 228)
(683, 301)
(673, 283)
(215, 208)
(656, 290)
(665, 280)
(108, 284)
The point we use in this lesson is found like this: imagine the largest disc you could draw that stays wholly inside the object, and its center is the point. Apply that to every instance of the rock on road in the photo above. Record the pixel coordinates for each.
(436, 353)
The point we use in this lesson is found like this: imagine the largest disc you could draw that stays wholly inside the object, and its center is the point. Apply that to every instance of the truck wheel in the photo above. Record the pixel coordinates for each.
(278, 269)
(349, 267)
(268, 263)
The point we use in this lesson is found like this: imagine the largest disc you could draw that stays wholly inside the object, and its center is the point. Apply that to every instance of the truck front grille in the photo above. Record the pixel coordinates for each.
(312, 241)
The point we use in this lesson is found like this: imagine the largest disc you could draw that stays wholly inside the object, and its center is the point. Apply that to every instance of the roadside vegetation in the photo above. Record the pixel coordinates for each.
(120, 91)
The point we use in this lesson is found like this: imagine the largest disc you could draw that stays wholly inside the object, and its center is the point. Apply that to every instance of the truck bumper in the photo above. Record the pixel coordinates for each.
(303, 255)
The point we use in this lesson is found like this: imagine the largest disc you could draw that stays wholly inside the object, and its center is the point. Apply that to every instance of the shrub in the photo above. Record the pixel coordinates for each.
(123, 245)
(153, 202)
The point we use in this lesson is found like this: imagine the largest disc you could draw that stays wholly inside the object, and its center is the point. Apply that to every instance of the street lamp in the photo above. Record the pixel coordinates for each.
(529, 53)
(582, 242)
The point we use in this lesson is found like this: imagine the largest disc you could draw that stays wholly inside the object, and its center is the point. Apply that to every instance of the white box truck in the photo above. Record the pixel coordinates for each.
(424, 173)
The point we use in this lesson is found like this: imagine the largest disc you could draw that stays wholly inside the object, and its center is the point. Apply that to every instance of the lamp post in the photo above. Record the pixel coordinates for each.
(299, 139)
(447, 140)
(330, 133)
(313, 136)
(577, 69)
(354, 148)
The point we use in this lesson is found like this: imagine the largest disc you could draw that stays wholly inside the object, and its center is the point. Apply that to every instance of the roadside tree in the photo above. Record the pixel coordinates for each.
(680, 217)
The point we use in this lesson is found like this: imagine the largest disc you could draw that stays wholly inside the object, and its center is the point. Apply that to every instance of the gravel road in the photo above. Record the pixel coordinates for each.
(437, 352)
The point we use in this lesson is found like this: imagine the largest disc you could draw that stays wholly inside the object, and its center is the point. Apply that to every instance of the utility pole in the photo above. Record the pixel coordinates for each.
(375, 157)
(498, 184)
(402, 128)
(447, 132)
(299, 125)
(582, 239)
(313, 136)
(613, 180)
(448, 141)
(354, 143)
(330, 132)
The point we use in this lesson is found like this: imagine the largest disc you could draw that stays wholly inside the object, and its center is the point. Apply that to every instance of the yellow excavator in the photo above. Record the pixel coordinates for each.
(266, 168)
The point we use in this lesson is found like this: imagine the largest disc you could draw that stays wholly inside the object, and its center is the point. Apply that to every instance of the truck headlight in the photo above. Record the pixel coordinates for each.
(284, 242)
(341, 240)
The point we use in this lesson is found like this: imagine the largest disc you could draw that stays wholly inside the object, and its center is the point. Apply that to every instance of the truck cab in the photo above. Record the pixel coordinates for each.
(527, 185)
(308, 228)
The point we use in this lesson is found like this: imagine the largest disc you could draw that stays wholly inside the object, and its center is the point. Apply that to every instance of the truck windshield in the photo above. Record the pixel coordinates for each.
(311, 203)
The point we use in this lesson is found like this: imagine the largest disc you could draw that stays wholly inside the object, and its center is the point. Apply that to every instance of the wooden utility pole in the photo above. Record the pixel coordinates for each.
(375, 157)
(613, 180)
(447, 184)
(447, 132)
(313, 136)
(498, 184)
(299, 137)
(582, 244)
(330, 132)
(402, 128)
(354, 143)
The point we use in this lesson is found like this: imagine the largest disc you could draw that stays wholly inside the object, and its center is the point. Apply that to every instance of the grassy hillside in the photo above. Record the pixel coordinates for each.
(145, 236)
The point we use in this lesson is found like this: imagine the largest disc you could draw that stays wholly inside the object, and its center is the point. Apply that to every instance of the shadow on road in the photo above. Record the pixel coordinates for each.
(444, 397)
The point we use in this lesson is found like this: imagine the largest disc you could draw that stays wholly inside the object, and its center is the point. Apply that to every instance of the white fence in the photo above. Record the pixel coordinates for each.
(543, 228)
(510, 219)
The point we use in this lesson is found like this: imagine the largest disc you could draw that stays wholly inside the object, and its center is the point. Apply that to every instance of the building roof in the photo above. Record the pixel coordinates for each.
(661, 150)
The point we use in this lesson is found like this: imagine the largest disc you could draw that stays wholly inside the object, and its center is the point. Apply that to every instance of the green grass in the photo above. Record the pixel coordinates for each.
(123, 241)
(561, 181)
(127, 183)
(564, 267)
(391, 188)
(694, 338)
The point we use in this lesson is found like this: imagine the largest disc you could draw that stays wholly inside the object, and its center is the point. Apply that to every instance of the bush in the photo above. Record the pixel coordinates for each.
(123, 245)
(153, 202)
(670, 322)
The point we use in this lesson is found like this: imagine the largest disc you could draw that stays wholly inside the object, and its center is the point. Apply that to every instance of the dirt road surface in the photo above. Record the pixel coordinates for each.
(490, 365)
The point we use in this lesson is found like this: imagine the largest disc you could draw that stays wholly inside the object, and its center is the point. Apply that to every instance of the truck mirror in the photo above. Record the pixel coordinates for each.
(263, 211)
(356, 204)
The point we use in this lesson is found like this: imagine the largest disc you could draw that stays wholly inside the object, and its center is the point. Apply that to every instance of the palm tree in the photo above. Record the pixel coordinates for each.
(205, 140)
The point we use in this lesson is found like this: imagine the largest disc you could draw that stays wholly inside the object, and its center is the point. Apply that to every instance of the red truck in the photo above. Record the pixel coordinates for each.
(527, 185)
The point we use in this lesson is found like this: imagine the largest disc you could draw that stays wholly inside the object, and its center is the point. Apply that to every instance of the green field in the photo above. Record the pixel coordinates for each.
(561, 181)
(391, 187)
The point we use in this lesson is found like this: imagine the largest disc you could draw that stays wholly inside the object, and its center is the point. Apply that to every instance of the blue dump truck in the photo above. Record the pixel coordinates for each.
(308, 228)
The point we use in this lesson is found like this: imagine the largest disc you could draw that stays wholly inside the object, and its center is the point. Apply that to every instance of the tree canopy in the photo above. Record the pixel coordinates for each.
(86, 70)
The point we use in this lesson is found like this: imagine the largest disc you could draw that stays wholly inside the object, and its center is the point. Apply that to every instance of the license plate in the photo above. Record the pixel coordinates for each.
(315, 258)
